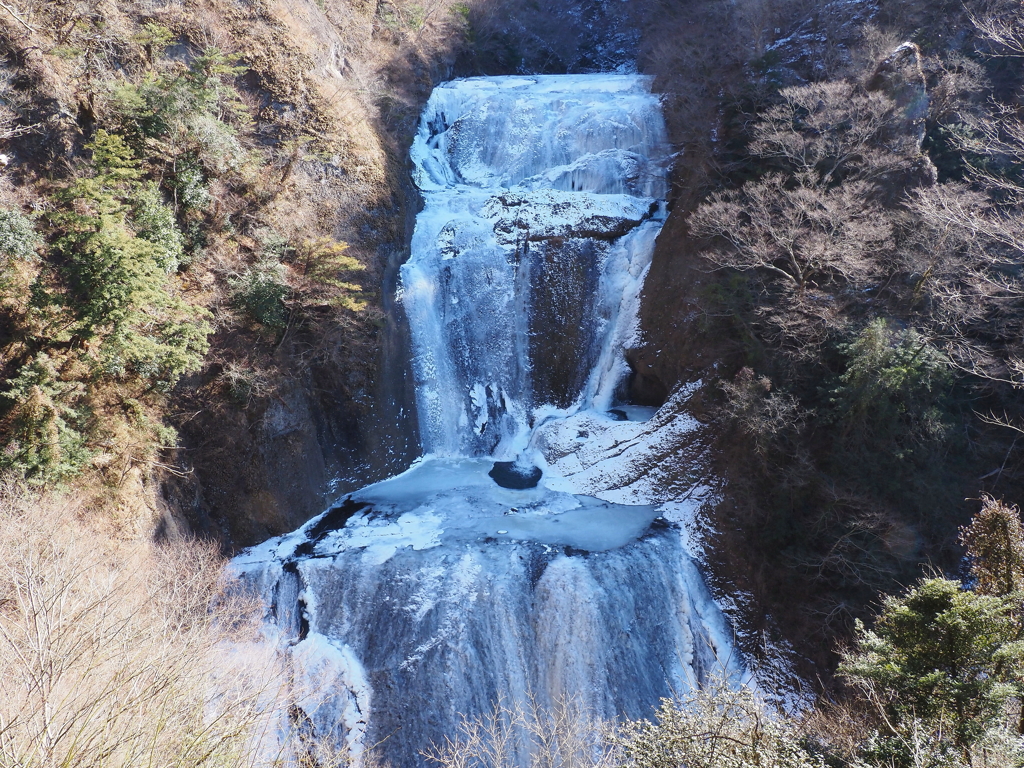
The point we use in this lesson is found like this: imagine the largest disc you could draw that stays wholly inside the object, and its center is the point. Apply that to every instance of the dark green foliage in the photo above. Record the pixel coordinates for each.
(111, 273)
(260, 293)
(891, 391)
(19, 242)
(114, 269)
(162, 105)
(948, 147)
(275, 247)
(191, 191)
(189, 114)
(942, 655)
(154, 221)
(105, 305)
(44, 427)
(18, 237)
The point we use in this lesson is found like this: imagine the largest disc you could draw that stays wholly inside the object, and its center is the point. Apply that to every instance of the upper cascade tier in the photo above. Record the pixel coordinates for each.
(543, 197)
(603, 134)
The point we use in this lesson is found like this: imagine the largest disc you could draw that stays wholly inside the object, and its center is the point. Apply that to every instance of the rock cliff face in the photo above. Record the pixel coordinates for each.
(337, 409)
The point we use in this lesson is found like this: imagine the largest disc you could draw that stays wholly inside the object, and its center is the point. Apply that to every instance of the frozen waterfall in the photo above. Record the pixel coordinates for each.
(436, 592)
(542, 199)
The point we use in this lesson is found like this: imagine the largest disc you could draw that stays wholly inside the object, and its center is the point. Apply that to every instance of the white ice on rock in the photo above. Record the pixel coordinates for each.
(434, 593)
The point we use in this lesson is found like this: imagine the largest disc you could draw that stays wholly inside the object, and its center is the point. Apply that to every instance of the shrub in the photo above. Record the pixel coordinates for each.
(164, 103)
(276, 246)
(117, 288)
(119, 654)
(217, 147)
(191, 191)
(44, 426)
(527, 734)
(763, 414)
(154, 38)
(893, 385)
(244, 384)
(995, 548)
(154, 221)
(260, 292)
(720, 725)
(328, 265)
(18, 237)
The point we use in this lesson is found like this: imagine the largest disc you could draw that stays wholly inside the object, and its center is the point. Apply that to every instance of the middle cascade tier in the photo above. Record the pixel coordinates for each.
(542, 201)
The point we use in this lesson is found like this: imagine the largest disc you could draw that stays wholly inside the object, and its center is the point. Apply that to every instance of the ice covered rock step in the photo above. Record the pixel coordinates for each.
(456, 501)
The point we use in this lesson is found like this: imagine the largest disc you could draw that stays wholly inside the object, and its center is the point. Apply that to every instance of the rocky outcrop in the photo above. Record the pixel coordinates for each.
(900, 77)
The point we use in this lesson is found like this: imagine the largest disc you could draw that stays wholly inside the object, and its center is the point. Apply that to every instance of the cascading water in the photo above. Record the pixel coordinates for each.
(436, 592)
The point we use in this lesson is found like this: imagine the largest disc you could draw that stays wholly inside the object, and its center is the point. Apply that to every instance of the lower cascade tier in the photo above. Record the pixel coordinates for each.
(416, 613)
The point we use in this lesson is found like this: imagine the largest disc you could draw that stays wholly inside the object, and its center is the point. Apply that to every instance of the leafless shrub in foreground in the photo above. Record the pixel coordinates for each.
(112, 654)
(720, 725)
(565, 735)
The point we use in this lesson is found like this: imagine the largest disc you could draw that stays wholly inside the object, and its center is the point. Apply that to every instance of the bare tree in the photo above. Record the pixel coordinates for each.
(1000, 22)
(796, 231)
(834, 129)
(965, 251)
(565, 735)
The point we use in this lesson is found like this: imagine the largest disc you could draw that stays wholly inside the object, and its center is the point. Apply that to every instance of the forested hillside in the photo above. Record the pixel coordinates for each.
(842, 270)
(200, 204)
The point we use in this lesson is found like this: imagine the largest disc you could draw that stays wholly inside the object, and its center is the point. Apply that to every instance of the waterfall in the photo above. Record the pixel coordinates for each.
(529, 555)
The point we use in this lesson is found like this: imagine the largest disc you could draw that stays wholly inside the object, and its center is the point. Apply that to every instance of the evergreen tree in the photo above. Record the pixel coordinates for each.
(43, 427)
(114, 273)
(940, 655)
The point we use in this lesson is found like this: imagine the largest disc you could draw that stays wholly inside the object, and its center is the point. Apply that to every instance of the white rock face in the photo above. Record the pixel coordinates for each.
(432, 594)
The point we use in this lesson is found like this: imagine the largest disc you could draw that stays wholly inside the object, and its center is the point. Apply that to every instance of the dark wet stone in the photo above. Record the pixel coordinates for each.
(574, 552)
(335, 518)
(305, 549)
(618, 415)
(508, 475)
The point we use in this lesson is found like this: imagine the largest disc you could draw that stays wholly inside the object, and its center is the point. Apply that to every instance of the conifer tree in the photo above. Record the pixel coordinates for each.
(939, 655)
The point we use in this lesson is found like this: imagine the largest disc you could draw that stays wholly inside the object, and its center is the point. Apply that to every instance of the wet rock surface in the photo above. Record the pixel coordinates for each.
(508, 474)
